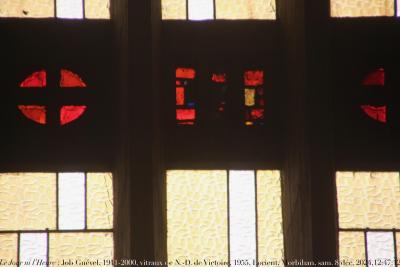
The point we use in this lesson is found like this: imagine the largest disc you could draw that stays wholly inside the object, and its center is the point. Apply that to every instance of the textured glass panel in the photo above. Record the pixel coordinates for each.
(362, 8)
(242, 216)
(376, 78)
(245, 9)
(33, 249)
(27, 8)
(380, 247)
(8, 247)
(97, 9)
(173, 9)
(368, 199)
(36, 210)
(201, 9)
(70, 113)
(80, 247)
(70, 9)
(99, 201)
(71, 200)
(197, 215)
(351, 247)
(269, 216)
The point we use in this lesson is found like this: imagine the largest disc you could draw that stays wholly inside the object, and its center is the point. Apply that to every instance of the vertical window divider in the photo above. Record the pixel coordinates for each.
(228, 214)
(55, 9)
(395, 247)
(18, 247)
(187, 9)
(256, 212)
(57, 204)
(395, 8)
(85, 200)
(83, 9)
(47, 247)
(366, 246)
(215, 9)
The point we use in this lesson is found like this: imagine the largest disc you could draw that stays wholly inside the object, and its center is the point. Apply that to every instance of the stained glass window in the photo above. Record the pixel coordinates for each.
(38, 113)
(221, 216)
(185, 96)
(254, 97)
(66, 9)
(56, 216)
(218, 9)
(363, 8)
(375, 80)
(369, 217)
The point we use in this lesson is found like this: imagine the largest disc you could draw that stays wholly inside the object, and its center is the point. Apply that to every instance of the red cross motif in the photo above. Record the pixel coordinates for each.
(39, 113)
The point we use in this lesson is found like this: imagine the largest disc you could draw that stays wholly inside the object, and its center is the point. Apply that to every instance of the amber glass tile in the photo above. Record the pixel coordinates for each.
(9, 247)
(27, 8)
(351, 248)
(28, 201)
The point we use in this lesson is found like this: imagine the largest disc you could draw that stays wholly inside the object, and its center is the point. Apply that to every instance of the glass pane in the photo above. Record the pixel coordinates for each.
(201, 9)
(34, 113)
(197, 223)
(8, 247)
(351, 247)
(71, 200)
(398, 245)
(362, 8)
(269, 216)
(33, 249)
(27, 8)
(245, 9)
(381, 248)
(97, 9)
(79, 247)
(242, 216)
(71, 113)
(36, 210)
(173, 9)
(70, 9)
(36, 79)
(368, 199)
(99, 201)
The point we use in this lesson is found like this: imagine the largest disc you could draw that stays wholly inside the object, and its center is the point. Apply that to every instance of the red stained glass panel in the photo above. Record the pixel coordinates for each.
(257, 114)
(71, 113)
(376, 113)
(185, 114)
(70, 79)
(180, 96)
(375, 78)
(185, 73)
(219, 78)
(253, 78)
(35, 113)
(36, 79)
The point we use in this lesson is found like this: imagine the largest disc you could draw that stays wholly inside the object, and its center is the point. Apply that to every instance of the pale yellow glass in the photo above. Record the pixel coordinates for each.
(173, 9)
(368, 199)
(8, 247)
(27, 201)
(269, 215)
(81, 246)
(352, 248)
(27, 8)
(97, 9)
(249, 97)
(245, 9)
(99, 201)
(197, 215)
(362, 8)
(398, 245)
